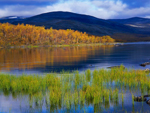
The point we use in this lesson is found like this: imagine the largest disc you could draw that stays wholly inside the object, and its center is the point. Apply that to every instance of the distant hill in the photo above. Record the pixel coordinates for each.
(85, 23)
(11, 19)
(134, 22)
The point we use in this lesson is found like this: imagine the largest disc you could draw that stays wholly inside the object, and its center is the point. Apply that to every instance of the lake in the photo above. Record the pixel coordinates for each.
(55, 59)
(45, 60)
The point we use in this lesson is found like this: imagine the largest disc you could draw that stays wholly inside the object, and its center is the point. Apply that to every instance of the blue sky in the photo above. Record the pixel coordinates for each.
(106, 9)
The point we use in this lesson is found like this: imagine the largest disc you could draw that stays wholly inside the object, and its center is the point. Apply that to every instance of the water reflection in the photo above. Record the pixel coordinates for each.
(24, 103)
(49, 59)
(100, 91)
(41, 60)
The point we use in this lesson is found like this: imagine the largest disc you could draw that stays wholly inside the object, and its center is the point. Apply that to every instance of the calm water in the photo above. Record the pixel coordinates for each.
(44, 60)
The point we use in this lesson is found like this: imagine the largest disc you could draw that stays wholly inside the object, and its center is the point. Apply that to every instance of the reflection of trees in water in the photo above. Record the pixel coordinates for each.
(40, 57)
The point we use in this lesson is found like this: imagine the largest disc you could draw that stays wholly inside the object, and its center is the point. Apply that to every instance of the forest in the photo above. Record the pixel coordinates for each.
(17, 35)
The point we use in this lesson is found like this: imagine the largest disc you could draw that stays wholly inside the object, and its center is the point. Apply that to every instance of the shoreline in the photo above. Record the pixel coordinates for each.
(71, 45)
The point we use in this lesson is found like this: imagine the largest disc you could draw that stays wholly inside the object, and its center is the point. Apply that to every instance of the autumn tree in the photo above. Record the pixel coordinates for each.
(33, 35)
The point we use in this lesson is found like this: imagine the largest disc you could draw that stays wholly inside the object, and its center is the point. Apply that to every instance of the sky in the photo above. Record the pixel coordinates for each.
(105, 9)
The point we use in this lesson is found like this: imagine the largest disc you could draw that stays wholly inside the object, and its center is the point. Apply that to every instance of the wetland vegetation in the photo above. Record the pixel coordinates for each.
(101, 88)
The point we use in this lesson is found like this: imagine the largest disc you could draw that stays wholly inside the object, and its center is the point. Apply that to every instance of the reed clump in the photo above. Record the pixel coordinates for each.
(100, 87)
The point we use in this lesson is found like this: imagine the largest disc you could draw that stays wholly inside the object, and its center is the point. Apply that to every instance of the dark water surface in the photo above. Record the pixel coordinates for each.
(44, 60)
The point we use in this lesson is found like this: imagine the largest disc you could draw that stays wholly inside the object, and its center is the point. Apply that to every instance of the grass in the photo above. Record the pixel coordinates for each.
(68, 90)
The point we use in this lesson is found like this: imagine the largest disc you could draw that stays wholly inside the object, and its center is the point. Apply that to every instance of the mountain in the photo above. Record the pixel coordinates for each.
(85, 23)
(11, 19)
(134, 22)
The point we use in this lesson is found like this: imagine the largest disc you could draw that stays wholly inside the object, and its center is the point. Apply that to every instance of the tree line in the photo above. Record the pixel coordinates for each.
(34, 35)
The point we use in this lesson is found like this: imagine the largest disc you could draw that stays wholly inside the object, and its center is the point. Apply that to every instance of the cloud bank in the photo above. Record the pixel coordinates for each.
(105, 9)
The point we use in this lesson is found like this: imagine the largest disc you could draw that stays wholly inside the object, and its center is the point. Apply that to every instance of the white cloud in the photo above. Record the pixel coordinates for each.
(135, 12)
(110, 5)
(18, 10)
(101, 9)
(28, 0)
(147, 16)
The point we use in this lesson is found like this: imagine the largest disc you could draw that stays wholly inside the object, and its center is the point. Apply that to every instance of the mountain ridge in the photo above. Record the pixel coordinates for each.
(85, 23)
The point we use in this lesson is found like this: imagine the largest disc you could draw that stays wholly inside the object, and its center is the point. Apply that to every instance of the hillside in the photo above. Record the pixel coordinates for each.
(11, 19)
(86, 23)
(143, 24)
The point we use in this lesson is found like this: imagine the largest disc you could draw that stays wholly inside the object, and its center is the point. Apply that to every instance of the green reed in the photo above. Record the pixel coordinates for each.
(68, 90)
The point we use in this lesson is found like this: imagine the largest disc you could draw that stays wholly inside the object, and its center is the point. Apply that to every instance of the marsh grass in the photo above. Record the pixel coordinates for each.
(99, 88)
